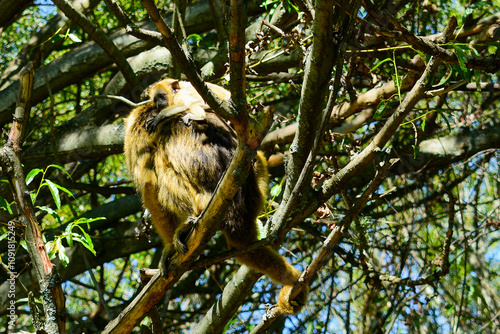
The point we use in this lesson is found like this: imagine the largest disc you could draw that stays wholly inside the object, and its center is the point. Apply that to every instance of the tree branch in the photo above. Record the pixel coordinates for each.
(52, 294)
(102, 39)
(236, 35)
(325, 251)
(333, 185)
(318, 69)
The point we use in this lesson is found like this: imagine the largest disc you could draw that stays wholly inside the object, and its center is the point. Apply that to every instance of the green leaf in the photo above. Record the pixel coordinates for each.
(74, 38)
(4, 205)
(89, 245)
(380, 63)
(55, 193)
(445, 78)
(288, 5)
(416, 150)
(276, 190)
(77, 238)
(267, 2)
(310, 327)
(478, 5)
(51, 248)
(26, 300)
(87, 221)
(462, 58)
(51, 212)
(63, 257)
(33, 197)
(64, 189)
(60, 168)
(194, 38)
(381, 109)
(477, 77)
(422, 55)
(69, 234)
(31, 175)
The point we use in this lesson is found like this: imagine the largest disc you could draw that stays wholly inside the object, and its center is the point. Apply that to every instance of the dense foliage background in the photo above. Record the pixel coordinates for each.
(421, 256)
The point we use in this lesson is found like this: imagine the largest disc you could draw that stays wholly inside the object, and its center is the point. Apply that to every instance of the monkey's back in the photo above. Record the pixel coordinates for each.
(176, 168)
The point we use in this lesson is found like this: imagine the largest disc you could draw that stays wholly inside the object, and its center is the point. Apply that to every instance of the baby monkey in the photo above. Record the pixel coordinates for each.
(176, 166)
(172, 97)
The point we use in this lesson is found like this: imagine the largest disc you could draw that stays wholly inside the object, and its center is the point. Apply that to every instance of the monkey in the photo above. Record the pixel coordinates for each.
(176, 167)
(172, 97)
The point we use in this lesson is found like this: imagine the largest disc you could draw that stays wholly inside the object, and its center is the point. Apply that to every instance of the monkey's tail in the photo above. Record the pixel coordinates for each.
(260, 168)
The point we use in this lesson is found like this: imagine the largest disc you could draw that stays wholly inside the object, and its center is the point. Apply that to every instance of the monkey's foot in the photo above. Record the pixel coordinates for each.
(183, 233)
(188, 118)
(166, 258)
(287, 304)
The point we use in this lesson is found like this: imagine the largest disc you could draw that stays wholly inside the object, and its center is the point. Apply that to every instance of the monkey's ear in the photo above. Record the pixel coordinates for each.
(175, 86)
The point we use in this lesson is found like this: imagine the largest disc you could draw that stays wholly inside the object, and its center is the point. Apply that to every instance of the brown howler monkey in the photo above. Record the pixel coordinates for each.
(176, 167)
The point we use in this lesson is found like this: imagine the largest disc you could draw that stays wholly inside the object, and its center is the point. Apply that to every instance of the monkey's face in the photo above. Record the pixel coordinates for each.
(161, 100)
(163, 93)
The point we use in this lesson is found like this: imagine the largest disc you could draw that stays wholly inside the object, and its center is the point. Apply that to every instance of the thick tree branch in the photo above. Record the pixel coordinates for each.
(37, 49)
(236, 35)
(10, 10)
(318, 69)
(52, 294)
(23, 108)
(100, 38)
(227, 305)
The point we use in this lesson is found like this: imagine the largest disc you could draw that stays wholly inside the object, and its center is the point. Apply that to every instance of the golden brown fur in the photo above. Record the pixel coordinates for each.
(176, 167)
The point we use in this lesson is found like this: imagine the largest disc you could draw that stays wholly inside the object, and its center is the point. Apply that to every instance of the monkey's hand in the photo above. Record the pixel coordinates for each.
(182, 234)
(287, 304)
(152, 124)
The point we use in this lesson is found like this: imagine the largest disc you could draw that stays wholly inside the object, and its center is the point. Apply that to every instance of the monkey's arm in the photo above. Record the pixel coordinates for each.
(172, 111)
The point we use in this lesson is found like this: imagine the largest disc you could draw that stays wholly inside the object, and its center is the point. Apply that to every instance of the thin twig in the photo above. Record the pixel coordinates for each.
(97, 287)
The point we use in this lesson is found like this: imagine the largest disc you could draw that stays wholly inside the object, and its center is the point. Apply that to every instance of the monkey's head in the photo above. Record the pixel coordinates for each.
(162, 93)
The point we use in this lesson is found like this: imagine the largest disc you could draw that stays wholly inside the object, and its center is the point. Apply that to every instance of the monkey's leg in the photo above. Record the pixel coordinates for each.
(188, 228)
(164, 223)
(197, 111)
(188, 118)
